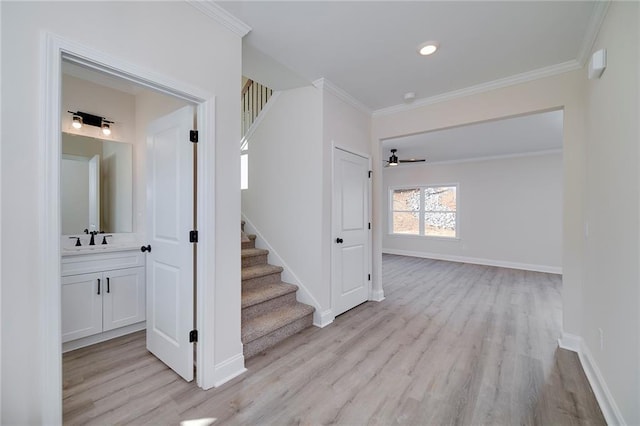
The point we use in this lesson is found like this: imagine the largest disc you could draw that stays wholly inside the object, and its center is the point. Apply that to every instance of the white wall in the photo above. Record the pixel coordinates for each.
(85, 96)
(284, 198)
(509, 211)
(131, 32)
(611, 294)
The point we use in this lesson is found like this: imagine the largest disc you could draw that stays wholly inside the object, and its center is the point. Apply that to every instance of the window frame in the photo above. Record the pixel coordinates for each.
(422, 211)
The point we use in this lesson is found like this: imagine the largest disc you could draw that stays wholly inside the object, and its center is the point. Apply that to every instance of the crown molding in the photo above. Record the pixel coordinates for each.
(593, 28)
(324, 84)
(221, 16)
(484, 87)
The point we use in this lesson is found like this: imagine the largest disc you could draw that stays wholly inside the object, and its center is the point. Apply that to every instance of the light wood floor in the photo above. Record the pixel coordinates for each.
(451, 344)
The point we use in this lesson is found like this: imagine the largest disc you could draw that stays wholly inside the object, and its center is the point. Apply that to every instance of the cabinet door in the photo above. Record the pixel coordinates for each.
(81, 305)
(124, 301)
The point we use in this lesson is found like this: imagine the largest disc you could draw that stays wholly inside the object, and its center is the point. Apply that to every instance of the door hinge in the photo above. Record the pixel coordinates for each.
(370, 171)
(369, 277)
(369, 225)
(193, 336)
(193, 236)
(193, 136)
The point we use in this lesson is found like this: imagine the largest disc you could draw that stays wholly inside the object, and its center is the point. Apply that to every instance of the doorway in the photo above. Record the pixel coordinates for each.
(59, 50)
(147, 127)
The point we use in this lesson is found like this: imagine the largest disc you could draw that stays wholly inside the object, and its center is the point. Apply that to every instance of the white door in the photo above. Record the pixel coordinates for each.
(170, 207)
(351, 251)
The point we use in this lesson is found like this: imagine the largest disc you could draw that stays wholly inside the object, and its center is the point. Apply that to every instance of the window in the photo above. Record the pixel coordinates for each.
(430, 211)
(406, 211)
(244, 164)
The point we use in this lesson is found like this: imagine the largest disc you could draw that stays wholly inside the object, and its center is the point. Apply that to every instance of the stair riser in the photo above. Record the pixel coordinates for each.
(256, 310)
(254, 260)
(249, 244)
(258, 345)
(266, 279)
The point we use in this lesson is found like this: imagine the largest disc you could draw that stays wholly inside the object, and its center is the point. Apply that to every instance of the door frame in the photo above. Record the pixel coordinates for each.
(334, 147)
(54, 49)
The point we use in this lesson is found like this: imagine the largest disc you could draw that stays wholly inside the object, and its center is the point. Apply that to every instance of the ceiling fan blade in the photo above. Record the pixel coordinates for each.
(413, 160)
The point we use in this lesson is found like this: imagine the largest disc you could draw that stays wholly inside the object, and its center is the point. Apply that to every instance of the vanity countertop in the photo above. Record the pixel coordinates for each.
(99, 248)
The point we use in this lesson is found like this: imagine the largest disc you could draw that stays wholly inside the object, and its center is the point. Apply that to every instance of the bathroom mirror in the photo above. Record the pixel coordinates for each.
(96, 185)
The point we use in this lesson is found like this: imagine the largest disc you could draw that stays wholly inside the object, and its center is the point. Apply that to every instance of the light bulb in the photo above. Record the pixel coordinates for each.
(77, 122)
(105, 129)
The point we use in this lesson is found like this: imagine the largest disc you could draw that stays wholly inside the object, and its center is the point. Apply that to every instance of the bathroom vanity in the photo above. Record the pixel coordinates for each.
(103, 293)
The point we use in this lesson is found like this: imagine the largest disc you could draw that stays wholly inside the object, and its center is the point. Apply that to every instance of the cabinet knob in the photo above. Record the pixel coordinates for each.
(339, 240)
(146, 248)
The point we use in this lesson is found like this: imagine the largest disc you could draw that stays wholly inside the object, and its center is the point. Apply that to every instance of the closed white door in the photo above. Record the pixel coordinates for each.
(170, 218)
(351, 251)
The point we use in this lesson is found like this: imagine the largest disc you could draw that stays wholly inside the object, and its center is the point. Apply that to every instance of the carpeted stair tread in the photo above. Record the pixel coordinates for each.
(259, 294)
(272, 321)
(251, 243)
(260, 271)
(251, 252)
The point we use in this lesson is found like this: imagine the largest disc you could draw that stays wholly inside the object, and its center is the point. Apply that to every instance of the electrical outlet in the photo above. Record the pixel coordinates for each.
(601, 335)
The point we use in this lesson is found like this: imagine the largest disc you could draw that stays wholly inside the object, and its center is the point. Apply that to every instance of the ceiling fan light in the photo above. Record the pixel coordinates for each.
(393, 160)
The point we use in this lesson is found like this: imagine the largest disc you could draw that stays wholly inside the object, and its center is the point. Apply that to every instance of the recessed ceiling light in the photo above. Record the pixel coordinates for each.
(428, 48)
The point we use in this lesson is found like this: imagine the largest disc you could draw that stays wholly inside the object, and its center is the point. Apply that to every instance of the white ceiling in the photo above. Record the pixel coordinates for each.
(100, 78)
(511, 136)
(368, 48)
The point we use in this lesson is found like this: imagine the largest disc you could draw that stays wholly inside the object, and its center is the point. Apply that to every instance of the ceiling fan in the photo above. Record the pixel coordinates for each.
(393, 160)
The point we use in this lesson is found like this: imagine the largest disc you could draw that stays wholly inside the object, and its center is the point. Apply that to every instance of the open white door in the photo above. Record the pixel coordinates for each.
(170, 218)
(351, 251)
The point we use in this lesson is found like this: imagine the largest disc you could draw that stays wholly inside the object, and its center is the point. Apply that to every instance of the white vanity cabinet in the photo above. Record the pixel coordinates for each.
(102, 292)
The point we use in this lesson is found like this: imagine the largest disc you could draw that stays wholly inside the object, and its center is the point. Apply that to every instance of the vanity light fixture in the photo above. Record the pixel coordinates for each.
(77, 122)
(428, 48)
(83, 118)
(106, 130)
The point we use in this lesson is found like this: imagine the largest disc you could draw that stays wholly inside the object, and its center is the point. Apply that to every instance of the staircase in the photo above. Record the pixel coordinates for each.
(270, 310)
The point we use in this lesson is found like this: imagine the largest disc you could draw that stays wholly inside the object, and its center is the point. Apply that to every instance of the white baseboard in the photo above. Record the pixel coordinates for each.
(570, 342)
(608, 406)
(228, 369)
(377, 295)
(476, 261)
(103, 337)
(323, 319)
